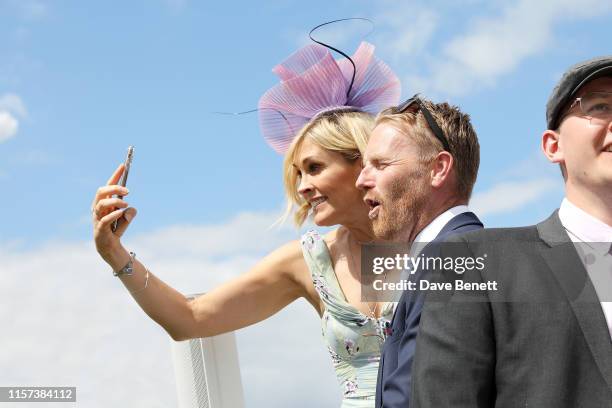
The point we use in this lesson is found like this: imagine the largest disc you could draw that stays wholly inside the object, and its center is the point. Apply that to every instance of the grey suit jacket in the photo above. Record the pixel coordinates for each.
(540, 341)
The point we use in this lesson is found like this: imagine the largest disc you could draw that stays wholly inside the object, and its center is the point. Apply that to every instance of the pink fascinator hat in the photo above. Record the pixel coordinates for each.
(312, 83)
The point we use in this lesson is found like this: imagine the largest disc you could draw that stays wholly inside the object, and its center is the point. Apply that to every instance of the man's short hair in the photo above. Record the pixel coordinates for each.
(458, 130)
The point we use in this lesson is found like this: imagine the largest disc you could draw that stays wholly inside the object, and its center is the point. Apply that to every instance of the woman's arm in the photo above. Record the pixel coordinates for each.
(247, 299)
(272, 284)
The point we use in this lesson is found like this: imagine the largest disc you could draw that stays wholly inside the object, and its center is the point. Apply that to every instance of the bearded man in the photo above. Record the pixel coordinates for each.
(420, 166)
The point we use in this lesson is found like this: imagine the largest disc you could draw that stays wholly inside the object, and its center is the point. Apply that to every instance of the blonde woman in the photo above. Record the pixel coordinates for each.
(333, 108)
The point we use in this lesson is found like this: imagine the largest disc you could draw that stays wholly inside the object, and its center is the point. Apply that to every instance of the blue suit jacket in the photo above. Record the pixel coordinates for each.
(394, 372)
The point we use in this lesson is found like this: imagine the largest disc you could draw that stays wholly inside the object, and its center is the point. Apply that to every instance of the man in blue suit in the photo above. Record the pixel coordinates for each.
(420, 166)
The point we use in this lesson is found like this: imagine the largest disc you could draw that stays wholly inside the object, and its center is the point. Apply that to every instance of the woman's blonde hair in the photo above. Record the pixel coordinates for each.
(345, 132)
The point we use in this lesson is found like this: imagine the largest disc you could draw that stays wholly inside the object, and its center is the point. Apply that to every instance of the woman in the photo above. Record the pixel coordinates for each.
(333, 107)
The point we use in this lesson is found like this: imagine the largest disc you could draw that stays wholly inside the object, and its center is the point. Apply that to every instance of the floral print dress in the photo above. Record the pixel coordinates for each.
(354, 340)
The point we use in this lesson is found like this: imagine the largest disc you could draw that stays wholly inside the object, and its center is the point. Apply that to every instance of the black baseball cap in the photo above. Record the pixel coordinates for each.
(573, 79)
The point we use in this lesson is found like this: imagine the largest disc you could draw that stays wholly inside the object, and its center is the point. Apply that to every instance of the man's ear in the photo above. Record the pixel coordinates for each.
(551, 146)
(442, 166)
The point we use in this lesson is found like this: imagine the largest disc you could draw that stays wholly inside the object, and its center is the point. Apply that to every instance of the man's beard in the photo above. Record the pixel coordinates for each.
(402, 209)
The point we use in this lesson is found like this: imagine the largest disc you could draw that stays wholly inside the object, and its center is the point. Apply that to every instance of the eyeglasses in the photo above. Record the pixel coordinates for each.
(433, 125)
(596, 106)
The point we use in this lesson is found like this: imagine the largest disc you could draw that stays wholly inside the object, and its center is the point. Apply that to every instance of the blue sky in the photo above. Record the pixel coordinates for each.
(80, 81)
(95, 77)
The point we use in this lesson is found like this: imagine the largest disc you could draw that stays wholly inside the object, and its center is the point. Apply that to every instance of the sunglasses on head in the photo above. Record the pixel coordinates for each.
(437, 131)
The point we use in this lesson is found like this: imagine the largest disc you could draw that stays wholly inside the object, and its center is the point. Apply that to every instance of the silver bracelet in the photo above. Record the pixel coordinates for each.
(128, 269)
(146, 283)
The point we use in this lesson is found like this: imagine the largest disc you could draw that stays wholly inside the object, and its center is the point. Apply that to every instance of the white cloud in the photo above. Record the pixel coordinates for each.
(68, 321)
(11, 107)
(342, 34)
(13, 103)
(510, 196)
(404, 31)
(533, 163)
(492, 45)
(8, 126)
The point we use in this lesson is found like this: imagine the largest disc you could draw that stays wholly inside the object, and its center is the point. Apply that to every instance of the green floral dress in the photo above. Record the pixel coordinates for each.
(353, 339)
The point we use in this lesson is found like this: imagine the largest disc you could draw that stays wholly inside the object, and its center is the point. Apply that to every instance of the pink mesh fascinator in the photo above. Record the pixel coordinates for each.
(313, 83)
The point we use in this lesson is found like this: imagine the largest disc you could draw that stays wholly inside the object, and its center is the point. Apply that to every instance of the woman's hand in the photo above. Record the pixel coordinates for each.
(105, 209)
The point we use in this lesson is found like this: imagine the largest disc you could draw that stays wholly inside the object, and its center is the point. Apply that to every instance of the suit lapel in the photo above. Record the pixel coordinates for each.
(564, 262)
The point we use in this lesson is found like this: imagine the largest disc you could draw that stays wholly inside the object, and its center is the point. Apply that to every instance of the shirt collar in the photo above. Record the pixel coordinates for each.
(583, 225)
(431, 231)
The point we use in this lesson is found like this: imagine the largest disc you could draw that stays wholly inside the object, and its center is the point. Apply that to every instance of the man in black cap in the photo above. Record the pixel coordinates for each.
(544, 337)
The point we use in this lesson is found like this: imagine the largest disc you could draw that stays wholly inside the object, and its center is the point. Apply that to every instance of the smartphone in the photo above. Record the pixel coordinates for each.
(123, 180)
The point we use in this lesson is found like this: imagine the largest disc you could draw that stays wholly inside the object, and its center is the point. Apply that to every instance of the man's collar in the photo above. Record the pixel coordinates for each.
(431, 231)
(582, 224)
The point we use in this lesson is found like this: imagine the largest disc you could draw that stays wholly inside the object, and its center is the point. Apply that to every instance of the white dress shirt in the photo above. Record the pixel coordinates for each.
(431, 231)
(595, 238)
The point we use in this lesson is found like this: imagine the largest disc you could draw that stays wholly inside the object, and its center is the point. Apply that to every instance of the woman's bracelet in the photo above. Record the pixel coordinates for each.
(128, 270)
(146, 283)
